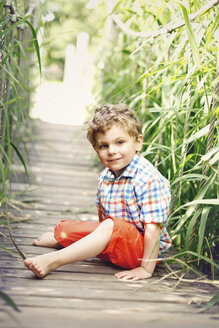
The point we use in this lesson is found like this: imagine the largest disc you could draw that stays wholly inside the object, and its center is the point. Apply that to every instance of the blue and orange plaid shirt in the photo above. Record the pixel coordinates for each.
(140, 195)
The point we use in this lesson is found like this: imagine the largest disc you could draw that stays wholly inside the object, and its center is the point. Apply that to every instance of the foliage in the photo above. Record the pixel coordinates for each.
(18, 39)
(18, 43)
(170, 80)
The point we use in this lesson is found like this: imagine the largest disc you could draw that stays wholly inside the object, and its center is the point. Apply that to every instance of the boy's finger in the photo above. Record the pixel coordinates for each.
(123, 274)
(118, 274)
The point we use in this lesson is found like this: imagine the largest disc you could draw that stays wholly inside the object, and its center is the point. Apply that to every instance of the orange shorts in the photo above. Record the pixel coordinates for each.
(125, 248)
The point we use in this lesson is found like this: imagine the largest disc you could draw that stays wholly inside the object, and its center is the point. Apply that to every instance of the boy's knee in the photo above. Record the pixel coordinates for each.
(108, 224)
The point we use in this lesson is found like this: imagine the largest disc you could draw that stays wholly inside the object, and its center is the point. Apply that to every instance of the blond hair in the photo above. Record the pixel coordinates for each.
(104, 117)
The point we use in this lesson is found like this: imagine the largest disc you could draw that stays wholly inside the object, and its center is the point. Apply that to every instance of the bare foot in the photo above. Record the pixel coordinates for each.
(47, 239)
(41, 265)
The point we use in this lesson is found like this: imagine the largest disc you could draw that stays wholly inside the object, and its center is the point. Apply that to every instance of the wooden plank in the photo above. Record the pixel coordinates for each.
(64, 149)
(110, 292)
(106, 318)
(49, 301)
(62, 171)
(58, 180)
(69, 271)
(75, 206)
(108, 282)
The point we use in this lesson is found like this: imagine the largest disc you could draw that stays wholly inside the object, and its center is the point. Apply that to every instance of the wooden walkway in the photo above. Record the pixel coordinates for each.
(84, 294)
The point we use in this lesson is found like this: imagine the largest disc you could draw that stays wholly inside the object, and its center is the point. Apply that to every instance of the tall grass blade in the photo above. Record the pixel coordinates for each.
(210, 201)
(36, 44)
(214, 300)
(191, 36)
(2, 170)
(199, 134)
(190, 228)
(200, 257)
(19, 22)
(9, 301)
(21, 158)
(198, 200)
(11, 101)
(204, 217)
(148, 74)
(210, 33)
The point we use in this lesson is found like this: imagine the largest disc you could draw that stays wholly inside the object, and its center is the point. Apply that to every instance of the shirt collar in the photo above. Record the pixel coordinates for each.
(129, 171)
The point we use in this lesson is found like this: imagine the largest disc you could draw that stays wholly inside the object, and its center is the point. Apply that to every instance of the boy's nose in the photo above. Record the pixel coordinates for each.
(112, 149)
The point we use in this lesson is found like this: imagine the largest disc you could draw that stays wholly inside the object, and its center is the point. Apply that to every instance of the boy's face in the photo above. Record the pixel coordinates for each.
(116, 148)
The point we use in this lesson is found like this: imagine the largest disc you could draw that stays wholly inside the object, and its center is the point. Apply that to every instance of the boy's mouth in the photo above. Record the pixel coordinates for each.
(113, 160)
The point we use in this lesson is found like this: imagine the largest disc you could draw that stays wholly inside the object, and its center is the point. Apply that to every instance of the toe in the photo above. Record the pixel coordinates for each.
(37, 270)
(36, 242)
(27, 262)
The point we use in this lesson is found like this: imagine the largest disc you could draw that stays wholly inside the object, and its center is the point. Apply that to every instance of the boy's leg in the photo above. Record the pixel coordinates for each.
(87, 247)
(47, 239)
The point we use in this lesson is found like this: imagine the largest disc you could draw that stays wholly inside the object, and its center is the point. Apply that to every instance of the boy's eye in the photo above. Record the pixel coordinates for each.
(103, 146)
(120, 142)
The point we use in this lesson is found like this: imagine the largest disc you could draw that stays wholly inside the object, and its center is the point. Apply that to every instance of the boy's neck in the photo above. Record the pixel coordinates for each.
(119, 172)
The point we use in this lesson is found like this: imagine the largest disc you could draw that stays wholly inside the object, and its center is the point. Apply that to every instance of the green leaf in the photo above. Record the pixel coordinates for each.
(189, 177)
(202, 226)
(19, 22)
(16, 80)
(11, 251)
(11, 101)
(210, 32)
(210, 303)
(9, 301)
(5, 58)
(198, 200)
(4, 154)
(203, 201)
(191, 36)
(148, 74)
(200, 133)
(36, 44)
(2, 5)
(190, 228)
(201, 257)
(212, 156)
(2, 170)
(21, 158)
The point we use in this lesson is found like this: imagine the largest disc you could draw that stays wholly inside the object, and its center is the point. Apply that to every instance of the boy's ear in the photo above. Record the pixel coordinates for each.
(139, 142)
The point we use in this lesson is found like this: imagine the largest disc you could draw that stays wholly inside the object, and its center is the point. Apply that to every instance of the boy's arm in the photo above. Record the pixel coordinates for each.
(100, 213)
(151, 246)
(151, 251)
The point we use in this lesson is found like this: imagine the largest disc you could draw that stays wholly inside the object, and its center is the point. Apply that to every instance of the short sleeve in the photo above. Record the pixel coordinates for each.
(154, 202)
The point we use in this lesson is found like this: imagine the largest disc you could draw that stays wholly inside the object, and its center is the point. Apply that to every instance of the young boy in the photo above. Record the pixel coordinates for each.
(132, 198)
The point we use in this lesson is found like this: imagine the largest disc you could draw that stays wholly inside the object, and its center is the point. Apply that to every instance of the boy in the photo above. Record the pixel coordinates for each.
(132, 198)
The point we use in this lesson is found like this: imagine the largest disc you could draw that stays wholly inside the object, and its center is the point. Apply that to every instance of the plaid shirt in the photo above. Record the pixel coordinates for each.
(140, 195)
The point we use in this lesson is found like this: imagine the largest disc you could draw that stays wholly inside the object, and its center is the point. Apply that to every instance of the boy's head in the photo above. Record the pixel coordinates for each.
(106, 116)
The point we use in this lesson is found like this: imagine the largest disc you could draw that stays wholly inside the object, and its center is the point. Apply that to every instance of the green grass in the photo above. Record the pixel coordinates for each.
(18, 40)
(170, 81)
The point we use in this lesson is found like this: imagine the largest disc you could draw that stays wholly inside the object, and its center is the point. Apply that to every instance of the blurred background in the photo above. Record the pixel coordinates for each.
(70, 44)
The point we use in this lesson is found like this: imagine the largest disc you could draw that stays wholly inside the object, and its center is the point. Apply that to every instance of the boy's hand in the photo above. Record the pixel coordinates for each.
(134, 274)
